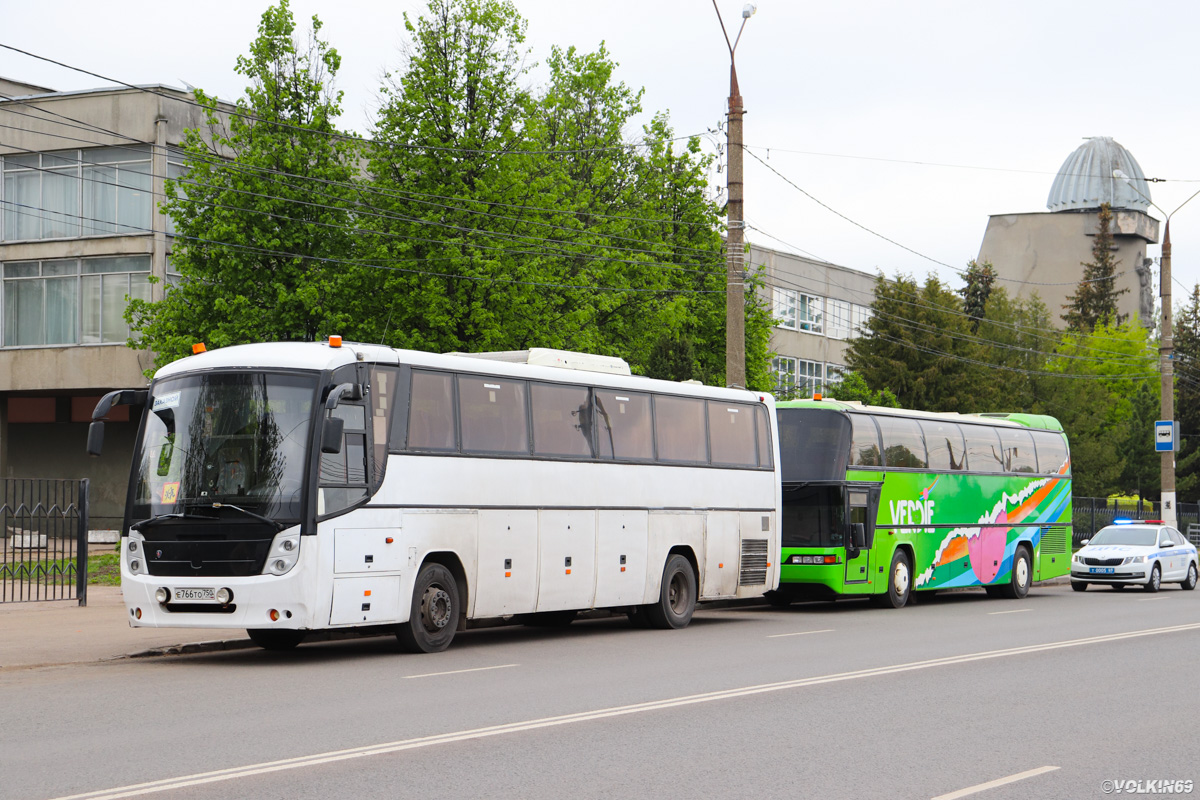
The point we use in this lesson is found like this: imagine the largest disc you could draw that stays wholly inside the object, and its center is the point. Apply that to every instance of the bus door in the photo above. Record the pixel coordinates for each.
(860, 510)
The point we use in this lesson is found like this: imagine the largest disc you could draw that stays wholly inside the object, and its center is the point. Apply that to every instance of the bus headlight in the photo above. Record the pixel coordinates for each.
(134, 553)
(283, 555)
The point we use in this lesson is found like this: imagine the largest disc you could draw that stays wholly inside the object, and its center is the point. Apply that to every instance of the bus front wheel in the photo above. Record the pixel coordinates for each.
(434, 614)
(676, 598)
(899, 583)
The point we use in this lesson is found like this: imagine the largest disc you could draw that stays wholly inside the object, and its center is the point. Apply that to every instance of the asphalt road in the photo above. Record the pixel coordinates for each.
(1055, 694)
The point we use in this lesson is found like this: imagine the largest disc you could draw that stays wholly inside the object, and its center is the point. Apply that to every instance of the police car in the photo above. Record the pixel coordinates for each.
(1135, 553)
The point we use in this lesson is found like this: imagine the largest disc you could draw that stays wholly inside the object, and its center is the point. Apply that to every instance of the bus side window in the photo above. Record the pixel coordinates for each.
(492, 415)
(864, 443)
(384, 381)
(562, 420)
(765, 449)
(1019, 454)
(944, 441)
(731, 433)
(903, 444)
(1051, 451)
(624, 428)
(983, 449)
(679, 429)
(431, 411)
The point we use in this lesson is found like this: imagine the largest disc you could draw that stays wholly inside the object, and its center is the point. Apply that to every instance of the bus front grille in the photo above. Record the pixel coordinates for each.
(754, 562)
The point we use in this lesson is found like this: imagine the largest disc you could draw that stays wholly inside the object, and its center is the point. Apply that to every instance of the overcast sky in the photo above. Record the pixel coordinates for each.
(916, 119)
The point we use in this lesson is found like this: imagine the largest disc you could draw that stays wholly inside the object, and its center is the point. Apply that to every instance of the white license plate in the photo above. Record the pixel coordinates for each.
(194, 595)
(1101, 570)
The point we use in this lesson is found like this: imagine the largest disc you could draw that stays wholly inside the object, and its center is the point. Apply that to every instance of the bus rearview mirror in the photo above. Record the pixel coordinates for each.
(331, 436)
(95, 440)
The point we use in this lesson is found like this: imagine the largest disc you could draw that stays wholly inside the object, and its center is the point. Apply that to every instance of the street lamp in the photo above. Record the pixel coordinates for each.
(735, 278)
(1166, 351)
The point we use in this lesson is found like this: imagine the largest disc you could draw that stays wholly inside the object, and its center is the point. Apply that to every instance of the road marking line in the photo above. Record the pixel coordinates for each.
(1014, 611)
(798, 633)
(459, 671)
(170, 784)
(1150, 599)
(980, 787)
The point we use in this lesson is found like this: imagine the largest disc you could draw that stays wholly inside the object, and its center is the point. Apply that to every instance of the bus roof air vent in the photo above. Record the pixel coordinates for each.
(563, 359)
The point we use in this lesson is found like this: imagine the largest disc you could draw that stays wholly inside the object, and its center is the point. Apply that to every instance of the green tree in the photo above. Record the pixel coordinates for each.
(528, 220)
(1095, 299)
(920, 347)
(1142, 472)
(853, 387)
(255, 238)
(1095, 378)
(1186, 340)
(980, 278)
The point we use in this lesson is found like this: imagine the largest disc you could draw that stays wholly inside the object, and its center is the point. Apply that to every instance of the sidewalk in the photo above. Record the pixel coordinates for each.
(61, 632)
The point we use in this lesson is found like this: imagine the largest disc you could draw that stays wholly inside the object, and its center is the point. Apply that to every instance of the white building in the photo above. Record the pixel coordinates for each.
(818, 308)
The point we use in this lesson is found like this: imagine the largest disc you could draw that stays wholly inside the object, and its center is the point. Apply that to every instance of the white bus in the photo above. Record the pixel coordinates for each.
(290, 487)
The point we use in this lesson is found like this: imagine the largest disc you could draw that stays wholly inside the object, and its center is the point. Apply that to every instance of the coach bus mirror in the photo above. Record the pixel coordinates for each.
(343, 391)
(95, 442)
(858, 535)
(331, 437)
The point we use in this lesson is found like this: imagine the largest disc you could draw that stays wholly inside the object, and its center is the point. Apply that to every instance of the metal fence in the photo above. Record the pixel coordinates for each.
(1090, 514)
(44, 545)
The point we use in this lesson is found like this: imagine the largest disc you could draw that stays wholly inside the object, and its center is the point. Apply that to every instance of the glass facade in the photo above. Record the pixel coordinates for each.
(70, 301)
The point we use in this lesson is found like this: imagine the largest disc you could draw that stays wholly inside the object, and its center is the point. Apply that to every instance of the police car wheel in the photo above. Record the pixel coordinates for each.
(1189, 582)
(1155, 581)
(1079, 586)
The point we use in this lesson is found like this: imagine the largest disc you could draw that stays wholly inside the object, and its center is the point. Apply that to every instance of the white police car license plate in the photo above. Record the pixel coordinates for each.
(196, 595)
(1103, 570)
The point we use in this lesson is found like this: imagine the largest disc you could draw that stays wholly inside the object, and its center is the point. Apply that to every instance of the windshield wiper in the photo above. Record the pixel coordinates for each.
(278, 525)
(159, 518)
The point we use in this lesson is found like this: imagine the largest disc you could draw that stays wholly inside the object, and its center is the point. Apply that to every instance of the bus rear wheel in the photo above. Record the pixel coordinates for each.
(1022, 575)
(433, 617)
(899, 583)
(275, 639)
(677, 597)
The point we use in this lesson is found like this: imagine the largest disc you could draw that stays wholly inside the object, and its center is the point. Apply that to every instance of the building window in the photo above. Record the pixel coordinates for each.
(785, 308)
(811, 313)
(73, 193)
(838, 312)
(810, 377)
(74, 301)
(785, 377)
(860, 316)
(834, 373)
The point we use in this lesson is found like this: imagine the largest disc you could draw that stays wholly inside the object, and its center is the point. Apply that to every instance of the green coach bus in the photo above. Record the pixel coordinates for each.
(884, 502)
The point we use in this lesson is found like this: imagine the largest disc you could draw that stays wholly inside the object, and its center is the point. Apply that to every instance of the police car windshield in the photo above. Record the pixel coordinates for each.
(1139, 537)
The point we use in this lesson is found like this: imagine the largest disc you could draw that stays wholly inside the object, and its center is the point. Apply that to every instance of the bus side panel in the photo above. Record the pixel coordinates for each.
(426, 532)
(621, 558)
(669, 529)
(567, 572)
(507, 578)
(722, 540)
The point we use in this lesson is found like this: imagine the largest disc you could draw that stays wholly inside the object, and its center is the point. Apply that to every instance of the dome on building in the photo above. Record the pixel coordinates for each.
(1085, 180)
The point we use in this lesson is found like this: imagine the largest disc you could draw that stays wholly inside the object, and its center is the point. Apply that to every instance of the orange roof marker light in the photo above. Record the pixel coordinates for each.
(199, 348)
(816, 395)
(335, 341)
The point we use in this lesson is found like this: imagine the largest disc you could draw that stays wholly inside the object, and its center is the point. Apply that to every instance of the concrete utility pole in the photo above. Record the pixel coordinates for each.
(1166, 353)
(735, 274)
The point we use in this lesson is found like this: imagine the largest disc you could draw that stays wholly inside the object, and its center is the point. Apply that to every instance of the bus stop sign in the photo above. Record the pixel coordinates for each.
(1166, 436)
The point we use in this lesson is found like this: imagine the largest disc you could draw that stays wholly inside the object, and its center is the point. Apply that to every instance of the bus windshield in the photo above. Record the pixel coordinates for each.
(233, 438)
